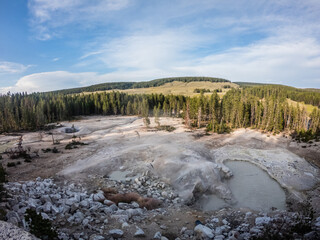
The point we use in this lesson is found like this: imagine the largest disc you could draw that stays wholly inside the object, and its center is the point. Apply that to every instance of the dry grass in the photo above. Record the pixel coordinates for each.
(181, 88)
(308, 107)
(148, 203)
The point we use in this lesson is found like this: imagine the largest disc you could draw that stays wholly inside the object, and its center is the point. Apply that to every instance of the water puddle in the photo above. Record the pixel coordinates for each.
(251, 187)
(121, 175)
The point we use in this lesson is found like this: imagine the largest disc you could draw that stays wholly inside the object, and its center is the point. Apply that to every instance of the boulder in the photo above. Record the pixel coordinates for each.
(99, 196)
(157, 235)
(116, 233)
(203, 232)
(139, 233)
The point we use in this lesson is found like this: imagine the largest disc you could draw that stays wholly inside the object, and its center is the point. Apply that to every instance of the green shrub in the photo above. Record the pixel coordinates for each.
(46, 150)
(55, 150)
(40, 227)
(167, 128)
(2, 174)
(11, 164)
(74, 144)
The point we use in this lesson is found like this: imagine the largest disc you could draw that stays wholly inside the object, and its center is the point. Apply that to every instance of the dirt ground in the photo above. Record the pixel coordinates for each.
(181, 158)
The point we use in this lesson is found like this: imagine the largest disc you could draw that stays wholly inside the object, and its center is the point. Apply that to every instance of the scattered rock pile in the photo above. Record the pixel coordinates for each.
(78, 214)
(233, 225)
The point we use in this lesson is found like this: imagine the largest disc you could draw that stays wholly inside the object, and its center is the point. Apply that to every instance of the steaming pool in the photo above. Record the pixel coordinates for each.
(251, 187)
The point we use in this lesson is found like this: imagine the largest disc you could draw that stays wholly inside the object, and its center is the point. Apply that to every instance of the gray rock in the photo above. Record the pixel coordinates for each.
(219, 237)
(262, 220)
(113, 207)
(225, 222)
(96, 237)
(47, 207)
(317, 224)
(13, 217)
(189, 232)
(164, 194)
(134, 212)
(55, 209)
(139, 233)
(108, 202)
(85, 203)
(135, 205)
(99, 196)
(123, 206)
(116, 233)
(183, 230)
(125, 225)
(45, 216)
(120, 218)
(55, 197)
(45, 198)
(78, 216)
(70, 201)
(203, 232)
(218, 231)
(164, 227)
(33, 203)
(310, 235)
(9, 231)
(85, 222)
(157, 235)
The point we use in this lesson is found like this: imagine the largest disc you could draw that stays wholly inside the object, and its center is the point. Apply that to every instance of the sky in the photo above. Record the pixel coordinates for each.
(53, 44)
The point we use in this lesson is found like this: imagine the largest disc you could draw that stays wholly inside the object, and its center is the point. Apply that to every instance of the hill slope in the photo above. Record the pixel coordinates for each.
(133, 85)
(182, 88)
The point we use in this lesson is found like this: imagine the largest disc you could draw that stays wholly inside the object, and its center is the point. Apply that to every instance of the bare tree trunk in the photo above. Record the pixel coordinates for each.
(187, 118)
(199, 117)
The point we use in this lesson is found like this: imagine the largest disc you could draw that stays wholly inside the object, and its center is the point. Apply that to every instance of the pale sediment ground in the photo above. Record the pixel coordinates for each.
(191, 162)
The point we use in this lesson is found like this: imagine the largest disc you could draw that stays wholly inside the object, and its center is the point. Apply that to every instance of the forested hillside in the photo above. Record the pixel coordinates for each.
(262, 107)
(131, 85)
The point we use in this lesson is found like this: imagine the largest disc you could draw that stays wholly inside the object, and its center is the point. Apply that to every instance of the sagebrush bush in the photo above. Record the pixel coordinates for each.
(41, 228)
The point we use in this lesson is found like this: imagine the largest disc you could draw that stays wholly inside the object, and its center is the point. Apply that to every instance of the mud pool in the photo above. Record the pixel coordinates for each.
(121, 175)
(251, 188)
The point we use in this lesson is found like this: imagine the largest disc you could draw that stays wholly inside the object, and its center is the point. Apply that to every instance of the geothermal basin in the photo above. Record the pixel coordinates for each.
(199, 167)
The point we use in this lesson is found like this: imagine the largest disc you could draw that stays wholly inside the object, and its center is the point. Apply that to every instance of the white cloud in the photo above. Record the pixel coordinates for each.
(48, 81)
(48, 15)
(295, 63)
(147, 51)
(12, 68)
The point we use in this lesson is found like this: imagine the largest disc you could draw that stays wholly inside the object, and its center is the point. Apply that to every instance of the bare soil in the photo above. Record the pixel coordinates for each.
(181, 158)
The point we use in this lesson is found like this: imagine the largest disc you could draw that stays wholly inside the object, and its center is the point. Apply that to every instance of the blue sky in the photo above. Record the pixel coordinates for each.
(52, 44)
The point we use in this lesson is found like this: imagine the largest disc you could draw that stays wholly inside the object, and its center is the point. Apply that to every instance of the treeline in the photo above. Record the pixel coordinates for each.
(28, 112)
(296, 94)
(260, 108)
(130, 85)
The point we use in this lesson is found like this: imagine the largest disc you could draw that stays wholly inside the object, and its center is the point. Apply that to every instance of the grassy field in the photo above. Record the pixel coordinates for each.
(308, 107)
(181, 88)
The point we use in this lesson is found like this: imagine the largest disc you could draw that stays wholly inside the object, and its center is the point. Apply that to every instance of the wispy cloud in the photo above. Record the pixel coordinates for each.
(49, 15)
(12, 68)
(295, 62)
